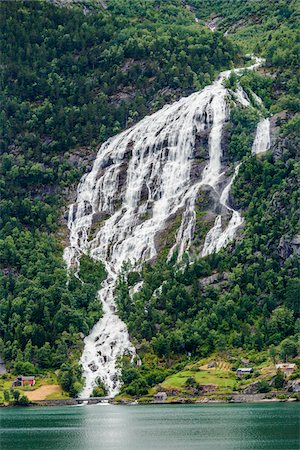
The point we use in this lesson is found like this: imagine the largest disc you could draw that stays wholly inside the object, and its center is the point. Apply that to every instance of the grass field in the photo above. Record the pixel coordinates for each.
(222, 377)
(46, 388)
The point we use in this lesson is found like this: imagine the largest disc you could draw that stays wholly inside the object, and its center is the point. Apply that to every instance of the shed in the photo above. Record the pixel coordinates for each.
(241, 371)
(24, 381)
(287, 368)
(160, 396)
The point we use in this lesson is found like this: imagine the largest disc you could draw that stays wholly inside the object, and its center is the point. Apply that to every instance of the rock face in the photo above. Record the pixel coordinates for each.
(216, 278)
(293, 386)
(288, 247)
(252, 388)
(144, 179)
(280, 143)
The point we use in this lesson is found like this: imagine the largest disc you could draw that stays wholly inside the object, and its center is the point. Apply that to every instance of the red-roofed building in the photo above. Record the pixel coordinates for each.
(24, 381)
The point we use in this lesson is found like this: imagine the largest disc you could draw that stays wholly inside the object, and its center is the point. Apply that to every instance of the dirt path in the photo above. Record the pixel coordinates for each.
(42, 392)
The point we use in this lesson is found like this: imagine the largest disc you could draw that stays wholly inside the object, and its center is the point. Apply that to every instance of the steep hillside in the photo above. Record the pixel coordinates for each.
(70, 80)
(73, 76)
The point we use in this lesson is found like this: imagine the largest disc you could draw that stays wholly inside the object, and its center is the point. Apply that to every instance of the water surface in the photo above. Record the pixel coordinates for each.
(183, 427)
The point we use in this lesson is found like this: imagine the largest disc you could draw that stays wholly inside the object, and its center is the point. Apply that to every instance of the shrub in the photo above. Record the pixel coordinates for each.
(263, 386)
(279, 380)
(98, 392)
(281, 396)
(190, 382)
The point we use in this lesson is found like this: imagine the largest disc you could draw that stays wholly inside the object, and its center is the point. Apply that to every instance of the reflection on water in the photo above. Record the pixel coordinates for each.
(207, 427)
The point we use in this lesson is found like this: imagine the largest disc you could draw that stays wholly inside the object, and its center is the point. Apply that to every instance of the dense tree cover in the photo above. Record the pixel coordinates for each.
(71, 80)
(269, 28)
(241, 129)
(254, 305)
(250, 23)
(257, 305)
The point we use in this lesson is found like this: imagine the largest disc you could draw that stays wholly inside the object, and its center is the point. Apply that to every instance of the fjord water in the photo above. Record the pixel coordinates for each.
(201, 427)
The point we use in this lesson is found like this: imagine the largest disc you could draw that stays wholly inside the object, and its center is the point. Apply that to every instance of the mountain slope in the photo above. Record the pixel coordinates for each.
(72, 79)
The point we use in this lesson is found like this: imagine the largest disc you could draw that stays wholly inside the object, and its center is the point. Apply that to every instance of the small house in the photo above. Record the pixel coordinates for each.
(24, 381)
(287, 368)
(160, 396)
(242, 371)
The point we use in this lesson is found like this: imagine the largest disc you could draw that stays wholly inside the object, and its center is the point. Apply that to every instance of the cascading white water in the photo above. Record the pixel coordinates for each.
(217, 238)
(140, 180)
(262, 139)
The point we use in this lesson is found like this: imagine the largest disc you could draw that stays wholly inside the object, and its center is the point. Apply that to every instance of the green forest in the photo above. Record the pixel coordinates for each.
(70, 80)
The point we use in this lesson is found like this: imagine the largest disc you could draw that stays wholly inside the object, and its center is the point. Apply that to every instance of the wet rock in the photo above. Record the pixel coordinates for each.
(197, 169)
(128, 154)
(212, 23)
(107, 163)
(207, 199)
(144, 193)
(122, 177)
(93, 366)
(99, 217)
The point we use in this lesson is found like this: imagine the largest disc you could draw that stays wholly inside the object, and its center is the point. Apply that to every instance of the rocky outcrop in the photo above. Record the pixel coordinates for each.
(288, 247)
(280, 143)
(293, 385)
(252, 388)
(216, 278)
(213, 22)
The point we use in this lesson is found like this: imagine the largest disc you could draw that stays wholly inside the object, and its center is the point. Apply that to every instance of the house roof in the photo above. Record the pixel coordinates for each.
(285, 366)
(27, 378)
(244, 369)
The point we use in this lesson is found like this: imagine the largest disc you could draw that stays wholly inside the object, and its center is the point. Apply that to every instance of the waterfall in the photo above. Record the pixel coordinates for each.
(141, 179)
(216, 238)
(262, 139)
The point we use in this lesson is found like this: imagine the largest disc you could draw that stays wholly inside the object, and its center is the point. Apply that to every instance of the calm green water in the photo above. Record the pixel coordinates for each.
(207, 427)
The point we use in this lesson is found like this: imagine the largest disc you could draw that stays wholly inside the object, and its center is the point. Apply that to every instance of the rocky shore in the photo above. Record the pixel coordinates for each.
(233, 398)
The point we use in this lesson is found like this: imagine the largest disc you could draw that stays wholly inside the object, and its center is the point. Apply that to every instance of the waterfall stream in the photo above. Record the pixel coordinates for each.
(262, 140)
(140, 180)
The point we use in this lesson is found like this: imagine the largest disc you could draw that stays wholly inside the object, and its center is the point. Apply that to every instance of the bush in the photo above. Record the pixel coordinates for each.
(129, 374)
(70, 377)
(98, 392)
(263, 387)
(190, 382)
(76, 388)
(22, 401)
(281, 396)
(279, 380)
(137, 387)
(24, 368)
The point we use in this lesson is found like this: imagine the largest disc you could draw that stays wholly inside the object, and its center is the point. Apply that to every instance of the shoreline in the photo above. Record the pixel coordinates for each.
(234, 399)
